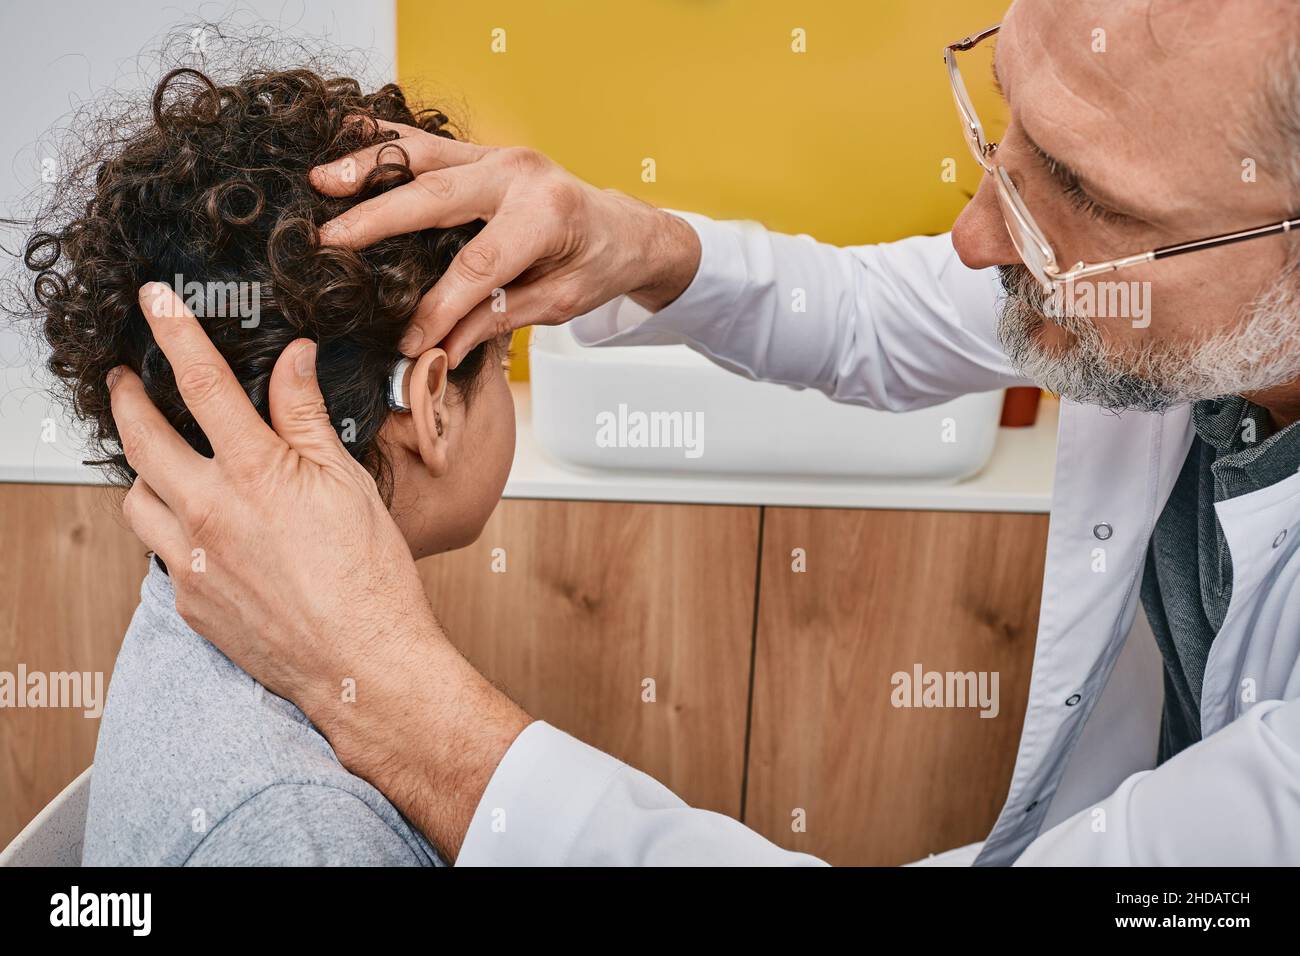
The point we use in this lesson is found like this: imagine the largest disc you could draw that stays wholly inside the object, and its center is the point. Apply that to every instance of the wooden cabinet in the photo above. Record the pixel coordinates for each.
(835, 769)
(70, 572)
(627, 625)
(672, 636)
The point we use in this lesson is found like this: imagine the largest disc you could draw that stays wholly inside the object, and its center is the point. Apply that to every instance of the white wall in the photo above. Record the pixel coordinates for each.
(55, 54)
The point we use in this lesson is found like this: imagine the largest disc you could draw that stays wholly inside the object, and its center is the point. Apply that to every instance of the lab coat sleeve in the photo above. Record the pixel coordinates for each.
(554, 801)
(896, 326)
(1232, 799)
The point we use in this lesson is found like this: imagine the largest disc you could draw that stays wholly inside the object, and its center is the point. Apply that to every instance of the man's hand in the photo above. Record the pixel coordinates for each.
(282, 554)
(553, 247)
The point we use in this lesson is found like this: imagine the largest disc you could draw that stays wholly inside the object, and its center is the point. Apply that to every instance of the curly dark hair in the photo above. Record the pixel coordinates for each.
(212, 186)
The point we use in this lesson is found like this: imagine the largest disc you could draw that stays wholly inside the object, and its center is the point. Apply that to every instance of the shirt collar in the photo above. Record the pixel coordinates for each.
(1249, 454)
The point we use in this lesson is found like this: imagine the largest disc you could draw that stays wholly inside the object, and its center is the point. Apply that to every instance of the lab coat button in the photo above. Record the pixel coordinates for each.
(1102, 531)
(1281, 536)
(1031, 806)
(1072, 700)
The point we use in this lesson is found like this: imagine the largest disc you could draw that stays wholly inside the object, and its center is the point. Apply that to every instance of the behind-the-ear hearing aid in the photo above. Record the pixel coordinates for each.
(397, 400)
(397, 385)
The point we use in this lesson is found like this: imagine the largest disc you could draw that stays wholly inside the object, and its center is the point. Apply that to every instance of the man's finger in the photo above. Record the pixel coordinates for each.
(502, 250)
(152, 447)
(206, 385)
(155, 525)
(298, 411)
(470, 332)
(435, 199)
(531, 303)
(424, 151)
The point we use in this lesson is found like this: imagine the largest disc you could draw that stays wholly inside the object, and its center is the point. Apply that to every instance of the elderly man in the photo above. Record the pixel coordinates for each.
(1152, 149)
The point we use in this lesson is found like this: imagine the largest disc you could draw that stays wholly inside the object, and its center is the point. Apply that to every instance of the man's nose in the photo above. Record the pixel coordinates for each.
(980, 233)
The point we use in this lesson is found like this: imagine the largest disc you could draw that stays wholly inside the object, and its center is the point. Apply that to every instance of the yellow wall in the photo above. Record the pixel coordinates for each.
(845, 141)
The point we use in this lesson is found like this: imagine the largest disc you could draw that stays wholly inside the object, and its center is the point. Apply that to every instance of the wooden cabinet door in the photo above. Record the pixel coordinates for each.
(573, 608)
(632, 626)
(70, 572)
(835, 768)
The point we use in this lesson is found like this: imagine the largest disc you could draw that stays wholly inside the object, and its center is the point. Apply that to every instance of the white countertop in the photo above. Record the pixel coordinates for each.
(1018, 477)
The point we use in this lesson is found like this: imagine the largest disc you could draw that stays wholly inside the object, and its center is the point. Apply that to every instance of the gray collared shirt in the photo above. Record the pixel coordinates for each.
(1188, 579)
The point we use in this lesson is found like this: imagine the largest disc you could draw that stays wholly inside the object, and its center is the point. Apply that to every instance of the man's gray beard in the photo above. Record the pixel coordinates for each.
(1259, 352)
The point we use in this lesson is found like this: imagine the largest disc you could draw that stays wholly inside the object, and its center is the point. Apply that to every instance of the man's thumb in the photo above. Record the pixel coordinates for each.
(298, 412)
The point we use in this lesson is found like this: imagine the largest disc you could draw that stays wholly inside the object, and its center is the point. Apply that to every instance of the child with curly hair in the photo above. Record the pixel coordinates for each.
(208, 190)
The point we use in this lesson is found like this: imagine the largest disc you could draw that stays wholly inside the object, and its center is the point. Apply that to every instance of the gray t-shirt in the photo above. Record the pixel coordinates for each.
(198, 765)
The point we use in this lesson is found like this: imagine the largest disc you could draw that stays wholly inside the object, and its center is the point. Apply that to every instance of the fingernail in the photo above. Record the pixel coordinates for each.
(113, 375)
(411, 341)
(304, 363)
(158, 295)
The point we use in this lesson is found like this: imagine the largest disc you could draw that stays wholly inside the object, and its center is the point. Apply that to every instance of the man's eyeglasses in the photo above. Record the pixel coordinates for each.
(1029, 240)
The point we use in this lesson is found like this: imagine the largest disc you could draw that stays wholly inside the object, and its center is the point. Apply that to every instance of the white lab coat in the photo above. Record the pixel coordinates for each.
(902, 326)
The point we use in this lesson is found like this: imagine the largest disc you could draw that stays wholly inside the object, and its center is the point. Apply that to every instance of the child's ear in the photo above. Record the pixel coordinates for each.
(428, 390)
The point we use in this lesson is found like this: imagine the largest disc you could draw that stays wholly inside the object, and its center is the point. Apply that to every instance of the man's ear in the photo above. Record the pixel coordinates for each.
(428, 389)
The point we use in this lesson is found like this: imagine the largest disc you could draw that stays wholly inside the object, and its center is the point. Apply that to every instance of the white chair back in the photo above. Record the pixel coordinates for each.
(55, 835)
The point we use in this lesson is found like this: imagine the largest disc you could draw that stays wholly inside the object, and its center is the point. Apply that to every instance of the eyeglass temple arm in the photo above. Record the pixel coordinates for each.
(1084, 271)
(970, 41)
(1272, 229)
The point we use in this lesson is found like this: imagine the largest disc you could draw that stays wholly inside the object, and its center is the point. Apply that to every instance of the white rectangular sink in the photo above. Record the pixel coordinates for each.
(669, 409)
